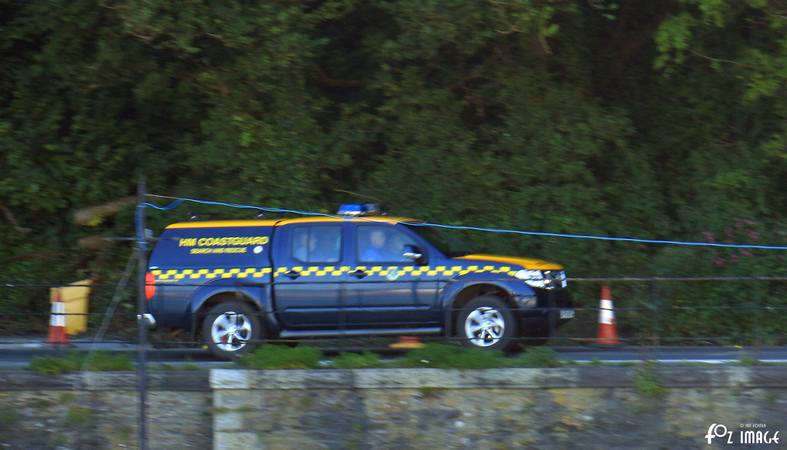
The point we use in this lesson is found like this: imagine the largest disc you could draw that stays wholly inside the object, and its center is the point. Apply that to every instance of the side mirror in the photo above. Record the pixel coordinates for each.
(412, 252)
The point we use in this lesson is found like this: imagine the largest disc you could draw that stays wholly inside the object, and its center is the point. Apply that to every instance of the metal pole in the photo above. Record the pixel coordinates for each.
(755, 295)
(142, 337)
(656, 305)
(551, 314)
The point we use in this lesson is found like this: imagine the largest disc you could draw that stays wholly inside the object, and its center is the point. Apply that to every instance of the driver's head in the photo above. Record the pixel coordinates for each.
(377, 238)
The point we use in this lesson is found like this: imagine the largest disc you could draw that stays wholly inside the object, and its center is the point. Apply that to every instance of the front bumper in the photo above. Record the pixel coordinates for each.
(542, 321)
(555, 302)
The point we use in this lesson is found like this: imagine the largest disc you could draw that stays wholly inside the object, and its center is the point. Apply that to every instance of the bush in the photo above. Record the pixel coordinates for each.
(749, 361)
(282, 357)
(78, 416)
(647, 383)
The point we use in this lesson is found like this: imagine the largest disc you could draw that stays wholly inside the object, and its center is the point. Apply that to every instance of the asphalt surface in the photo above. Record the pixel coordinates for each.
(19, 355)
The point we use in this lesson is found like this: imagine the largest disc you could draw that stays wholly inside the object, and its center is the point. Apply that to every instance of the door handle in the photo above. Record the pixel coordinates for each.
(293, 274)
(359, 274)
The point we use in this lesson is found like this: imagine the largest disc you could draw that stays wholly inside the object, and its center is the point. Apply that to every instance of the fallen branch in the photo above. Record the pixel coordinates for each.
(94, 215)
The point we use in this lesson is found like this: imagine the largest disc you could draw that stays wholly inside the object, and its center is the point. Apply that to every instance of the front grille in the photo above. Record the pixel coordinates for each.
(561, 298)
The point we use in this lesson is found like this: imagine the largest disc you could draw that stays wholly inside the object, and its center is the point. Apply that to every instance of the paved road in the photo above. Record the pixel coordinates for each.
(16, 355)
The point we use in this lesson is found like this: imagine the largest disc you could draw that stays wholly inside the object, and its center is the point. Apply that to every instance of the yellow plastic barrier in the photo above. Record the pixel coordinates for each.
(75, 299)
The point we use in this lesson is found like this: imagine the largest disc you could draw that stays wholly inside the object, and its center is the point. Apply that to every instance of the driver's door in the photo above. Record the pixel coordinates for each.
(384, 287)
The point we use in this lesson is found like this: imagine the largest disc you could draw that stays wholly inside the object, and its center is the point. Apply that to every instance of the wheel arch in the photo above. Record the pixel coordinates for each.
(201, 308)
(464, 294)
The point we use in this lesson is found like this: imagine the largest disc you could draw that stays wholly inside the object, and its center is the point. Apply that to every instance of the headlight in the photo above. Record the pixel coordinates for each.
(533, 278)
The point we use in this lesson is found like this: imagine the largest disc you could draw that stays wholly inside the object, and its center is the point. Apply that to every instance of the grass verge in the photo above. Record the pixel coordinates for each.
(74, 362)
(365, 360)
(435, 355)
(282, 357)
(442, 356)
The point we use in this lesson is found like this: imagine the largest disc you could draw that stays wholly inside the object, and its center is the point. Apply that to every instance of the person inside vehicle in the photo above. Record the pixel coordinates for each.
(314, 247)
(373, 246)
(324, 248)
(300, 247)
(380, 245)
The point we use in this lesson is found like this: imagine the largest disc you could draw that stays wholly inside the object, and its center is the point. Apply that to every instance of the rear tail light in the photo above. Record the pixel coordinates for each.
(150, 285)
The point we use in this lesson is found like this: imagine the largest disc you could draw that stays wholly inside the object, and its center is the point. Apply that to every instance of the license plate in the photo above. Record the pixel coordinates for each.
(566, 313)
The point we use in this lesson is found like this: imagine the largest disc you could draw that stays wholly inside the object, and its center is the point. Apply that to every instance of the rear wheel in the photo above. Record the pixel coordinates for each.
(231, 329)
(487, 322)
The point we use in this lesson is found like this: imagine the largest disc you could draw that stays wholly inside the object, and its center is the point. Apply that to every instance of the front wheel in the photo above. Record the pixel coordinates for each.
(487, 322)
(231, 329)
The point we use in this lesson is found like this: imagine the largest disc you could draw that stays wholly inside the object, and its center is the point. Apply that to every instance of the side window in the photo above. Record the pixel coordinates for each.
(380, 243)
(316, 244)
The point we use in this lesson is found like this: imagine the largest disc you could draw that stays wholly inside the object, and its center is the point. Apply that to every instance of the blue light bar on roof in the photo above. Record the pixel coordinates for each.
(358, 209)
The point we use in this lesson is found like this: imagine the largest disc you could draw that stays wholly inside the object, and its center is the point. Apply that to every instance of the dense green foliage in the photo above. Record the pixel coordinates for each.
(660, 119)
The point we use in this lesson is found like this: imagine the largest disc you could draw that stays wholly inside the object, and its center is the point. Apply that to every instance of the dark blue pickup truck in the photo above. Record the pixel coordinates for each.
(233, 283)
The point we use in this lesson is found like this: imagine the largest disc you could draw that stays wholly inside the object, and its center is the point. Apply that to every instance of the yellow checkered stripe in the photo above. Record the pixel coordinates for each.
(196, 274)
(166, 275)
(434, 271)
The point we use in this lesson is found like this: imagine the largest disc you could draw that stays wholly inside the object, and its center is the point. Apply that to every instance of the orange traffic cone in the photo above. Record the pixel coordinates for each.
(607, 329)
(407, 342)
(57, 321)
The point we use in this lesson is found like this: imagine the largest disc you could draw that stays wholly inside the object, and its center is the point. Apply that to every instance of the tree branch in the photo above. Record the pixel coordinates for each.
(325, 80)
(9, 216)
(719, 60)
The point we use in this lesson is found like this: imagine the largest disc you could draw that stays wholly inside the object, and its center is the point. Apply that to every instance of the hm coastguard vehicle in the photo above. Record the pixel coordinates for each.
(233, 283)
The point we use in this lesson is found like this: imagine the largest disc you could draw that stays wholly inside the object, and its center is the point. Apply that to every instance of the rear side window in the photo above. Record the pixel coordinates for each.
(212, 247)
(316, 244)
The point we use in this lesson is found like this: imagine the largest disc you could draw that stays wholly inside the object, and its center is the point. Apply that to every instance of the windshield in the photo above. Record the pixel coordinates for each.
(444, 240)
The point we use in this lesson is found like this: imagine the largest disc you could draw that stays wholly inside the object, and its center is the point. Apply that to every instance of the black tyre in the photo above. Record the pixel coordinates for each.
(231, 329)
(487, 322)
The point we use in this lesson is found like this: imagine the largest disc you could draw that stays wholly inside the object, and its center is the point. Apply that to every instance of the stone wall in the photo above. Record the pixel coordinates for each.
(586, 407)
(98, 410)
(589, 408)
